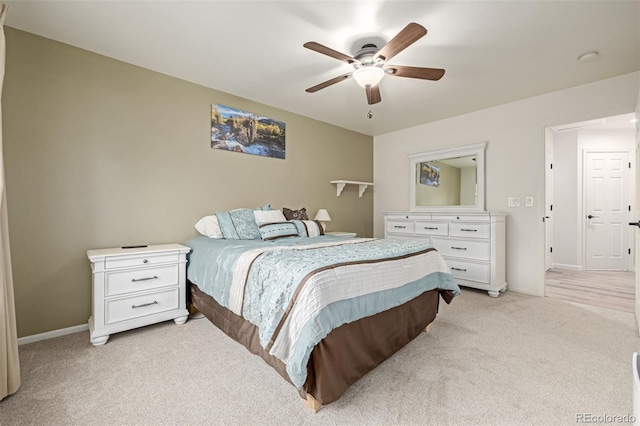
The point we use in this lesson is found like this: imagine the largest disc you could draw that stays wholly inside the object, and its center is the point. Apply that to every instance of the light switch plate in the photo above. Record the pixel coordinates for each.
(528, 201)
(513, 202)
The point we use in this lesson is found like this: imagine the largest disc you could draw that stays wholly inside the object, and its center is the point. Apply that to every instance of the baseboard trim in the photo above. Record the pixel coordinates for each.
(51, 334)
(567, 267)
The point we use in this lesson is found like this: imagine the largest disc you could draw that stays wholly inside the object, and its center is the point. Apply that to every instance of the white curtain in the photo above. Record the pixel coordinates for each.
(9, 362)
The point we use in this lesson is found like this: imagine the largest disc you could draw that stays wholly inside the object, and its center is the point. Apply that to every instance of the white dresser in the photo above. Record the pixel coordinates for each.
(134, 287)
(472, 244)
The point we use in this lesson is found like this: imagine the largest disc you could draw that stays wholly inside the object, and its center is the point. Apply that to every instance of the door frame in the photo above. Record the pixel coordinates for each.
(582, 212)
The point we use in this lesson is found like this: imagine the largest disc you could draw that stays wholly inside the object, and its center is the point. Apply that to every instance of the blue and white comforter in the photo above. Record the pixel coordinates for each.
(296, 290)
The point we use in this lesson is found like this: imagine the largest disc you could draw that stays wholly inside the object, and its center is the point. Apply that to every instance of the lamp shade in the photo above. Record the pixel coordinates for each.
(323, 216)
(368, 76)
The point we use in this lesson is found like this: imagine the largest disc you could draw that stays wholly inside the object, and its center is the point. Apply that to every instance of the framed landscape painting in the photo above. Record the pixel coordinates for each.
(429, 174)
(241, 131)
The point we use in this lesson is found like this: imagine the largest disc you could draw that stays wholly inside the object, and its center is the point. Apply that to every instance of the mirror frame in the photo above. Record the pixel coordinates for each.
(477, 149)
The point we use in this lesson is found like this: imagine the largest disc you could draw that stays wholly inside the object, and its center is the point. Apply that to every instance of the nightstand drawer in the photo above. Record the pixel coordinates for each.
(478, 250)
(132, 280)
(480, 272)
(141, 305)
(111, 262)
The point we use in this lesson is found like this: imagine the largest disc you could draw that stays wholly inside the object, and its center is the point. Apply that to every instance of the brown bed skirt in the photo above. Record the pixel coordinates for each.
(347, 353)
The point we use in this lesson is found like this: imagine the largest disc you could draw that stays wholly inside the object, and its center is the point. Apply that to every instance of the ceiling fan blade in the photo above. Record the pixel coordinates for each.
(373, 94)
(409, 35)
(414, 72)
(330, 52)
(329, 82)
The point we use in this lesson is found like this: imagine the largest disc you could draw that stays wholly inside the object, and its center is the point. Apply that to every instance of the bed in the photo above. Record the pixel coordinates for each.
(321, 310)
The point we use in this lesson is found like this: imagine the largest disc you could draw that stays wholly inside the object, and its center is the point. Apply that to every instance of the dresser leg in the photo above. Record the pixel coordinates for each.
(181, 320)
(494, 293)
(99, 341)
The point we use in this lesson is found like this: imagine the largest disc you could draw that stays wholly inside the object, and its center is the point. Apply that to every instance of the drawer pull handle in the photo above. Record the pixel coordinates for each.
(145, 261)
(133, 280)
(459, 269)
(155, 302)
(430, 227)
(469, 230)
(459, 248)
(399, 227)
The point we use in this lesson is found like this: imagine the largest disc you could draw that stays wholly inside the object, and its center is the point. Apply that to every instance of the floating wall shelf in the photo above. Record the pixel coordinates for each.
(340, 184)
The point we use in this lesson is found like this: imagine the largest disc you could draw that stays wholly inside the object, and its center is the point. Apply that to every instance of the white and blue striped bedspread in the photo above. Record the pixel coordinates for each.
(296, 290)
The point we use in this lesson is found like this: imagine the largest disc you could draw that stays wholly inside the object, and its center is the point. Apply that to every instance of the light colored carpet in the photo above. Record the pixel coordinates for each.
(512, 360)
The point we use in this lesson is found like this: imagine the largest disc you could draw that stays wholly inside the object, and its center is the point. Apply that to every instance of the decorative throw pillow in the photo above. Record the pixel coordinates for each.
(239, 224)
(208, 226)
(308, 228)
(269, 216)
(273, 231)
(295, 214)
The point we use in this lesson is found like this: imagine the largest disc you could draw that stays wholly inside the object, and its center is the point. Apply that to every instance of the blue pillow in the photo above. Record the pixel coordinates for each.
(238, 224)
(273, 231)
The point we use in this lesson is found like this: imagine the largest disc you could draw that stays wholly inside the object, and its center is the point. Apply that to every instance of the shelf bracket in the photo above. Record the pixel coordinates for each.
(340, 184)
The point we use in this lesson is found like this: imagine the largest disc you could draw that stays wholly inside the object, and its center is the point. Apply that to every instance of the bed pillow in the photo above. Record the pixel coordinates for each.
(209, 227)
(269, 216)
(273, 231)
(239, 224)
(295, 214)
(308, 228)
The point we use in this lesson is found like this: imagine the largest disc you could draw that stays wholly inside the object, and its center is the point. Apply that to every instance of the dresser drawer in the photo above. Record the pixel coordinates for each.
(132, 280)
(469, 249)
(480, 272)
(432, 228)
(470, 230)
(410, 237)
(142, 305)
(112, 262)
(399, 227)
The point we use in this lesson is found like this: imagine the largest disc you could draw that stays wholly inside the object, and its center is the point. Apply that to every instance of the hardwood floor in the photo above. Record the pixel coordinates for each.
(606, 289)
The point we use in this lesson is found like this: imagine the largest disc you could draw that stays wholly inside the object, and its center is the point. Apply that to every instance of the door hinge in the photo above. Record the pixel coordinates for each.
(551, 164)
(551, 249)
(551, 207)
(629, 251)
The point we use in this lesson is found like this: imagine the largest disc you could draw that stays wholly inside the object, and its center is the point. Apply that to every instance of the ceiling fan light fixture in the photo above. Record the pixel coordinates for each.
(368, 76)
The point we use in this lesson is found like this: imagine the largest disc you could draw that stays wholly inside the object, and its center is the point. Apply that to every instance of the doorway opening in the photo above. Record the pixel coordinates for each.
(590, 177)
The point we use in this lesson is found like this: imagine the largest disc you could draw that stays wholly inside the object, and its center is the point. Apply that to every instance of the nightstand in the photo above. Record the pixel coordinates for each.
(342, 234)
(134, 287)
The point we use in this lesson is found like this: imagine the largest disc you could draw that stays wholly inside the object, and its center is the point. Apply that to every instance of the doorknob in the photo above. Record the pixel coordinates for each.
(635, 224)
(592, 216)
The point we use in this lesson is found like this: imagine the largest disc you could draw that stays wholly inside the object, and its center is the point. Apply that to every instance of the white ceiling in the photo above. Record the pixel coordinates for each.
(494, 52)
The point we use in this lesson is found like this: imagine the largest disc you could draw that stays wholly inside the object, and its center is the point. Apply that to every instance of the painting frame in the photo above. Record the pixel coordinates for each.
(241, 131)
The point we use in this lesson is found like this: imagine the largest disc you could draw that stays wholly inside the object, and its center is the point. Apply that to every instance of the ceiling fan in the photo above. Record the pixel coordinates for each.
(371, 66)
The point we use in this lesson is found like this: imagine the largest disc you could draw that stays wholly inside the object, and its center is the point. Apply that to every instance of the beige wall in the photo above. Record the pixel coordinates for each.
(100, 153)
(514, 162)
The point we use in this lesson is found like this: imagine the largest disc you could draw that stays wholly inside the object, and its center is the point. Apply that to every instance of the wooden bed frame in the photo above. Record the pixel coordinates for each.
(346, 354)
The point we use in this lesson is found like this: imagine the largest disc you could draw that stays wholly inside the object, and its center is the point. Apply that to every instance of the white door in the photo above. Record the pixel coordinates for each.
(548, 203)
(607, 210)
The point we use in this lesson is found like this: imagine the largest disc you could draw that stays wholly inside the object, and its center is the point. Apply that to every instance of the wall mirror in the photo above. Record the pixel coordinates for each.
(448, 179)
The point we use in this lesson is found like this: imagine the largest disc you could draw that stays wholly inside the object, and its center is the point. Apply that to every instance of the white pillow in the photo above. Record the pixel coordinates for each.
(269, 216)
(208, 226)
